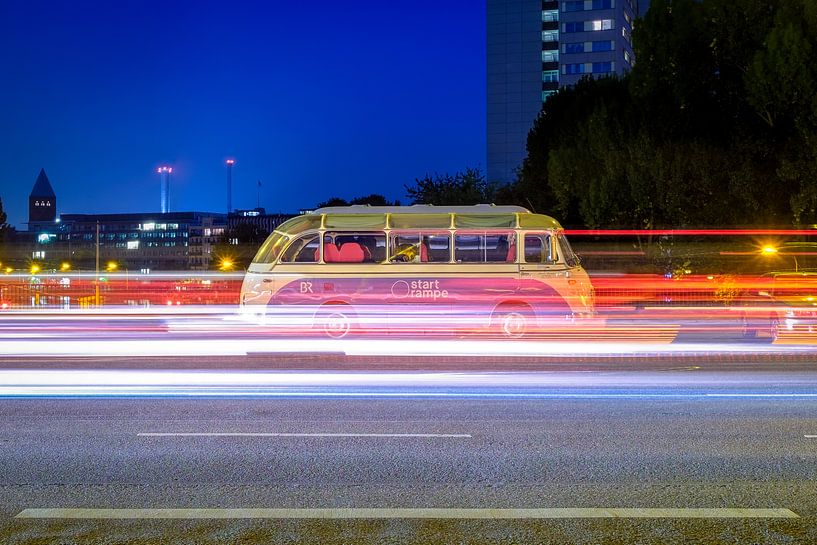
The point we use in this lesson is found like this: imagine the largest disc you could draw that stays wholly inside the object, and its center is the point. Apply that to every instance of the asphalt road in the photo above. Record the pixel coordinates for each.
(717, 437)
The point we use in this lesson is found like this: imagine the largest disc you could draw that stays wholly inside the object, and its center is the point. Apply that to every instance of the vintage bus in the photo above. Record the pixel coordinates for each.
(491, 268)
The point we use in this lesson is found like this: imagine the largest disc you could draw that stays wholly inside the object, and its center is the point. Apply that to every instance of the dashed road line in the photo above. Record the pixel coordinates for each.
(252, 434)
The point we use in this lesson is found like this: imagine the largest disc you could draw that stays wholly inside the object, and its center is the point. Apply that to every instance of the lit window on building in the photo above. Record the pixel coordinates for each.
(550, 56)
(550, 76)
(626, 34)
(547, 94)
(550, 16)
(133, 245)
(601, 24)
(550, 35)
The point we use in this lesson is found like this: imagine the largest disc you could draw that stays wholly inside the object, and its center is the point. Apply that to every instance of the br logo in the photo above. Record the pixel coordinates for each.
(306, 287)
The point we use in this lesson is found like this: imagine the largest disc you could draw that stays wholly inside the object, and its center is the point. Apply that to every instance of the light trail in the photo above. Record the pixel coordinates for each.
(670, 384)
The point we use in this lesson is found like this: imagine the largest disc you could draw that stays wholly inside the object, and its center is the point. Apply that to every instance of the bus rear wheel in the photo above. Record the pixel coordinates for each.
(512, 322)
(766, 330)
(335, 321)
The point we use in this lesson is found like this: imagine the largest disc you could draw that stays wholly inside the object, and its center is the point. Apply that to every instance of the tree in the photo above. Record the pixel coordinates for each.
(781, 79)
(461, 188)
(374, 199)
(6, 230)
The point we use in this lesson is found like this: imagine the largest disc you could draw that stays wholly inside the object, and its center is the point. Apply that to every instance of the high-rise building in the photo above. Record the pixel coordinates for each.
(534, 48)
(164, 188)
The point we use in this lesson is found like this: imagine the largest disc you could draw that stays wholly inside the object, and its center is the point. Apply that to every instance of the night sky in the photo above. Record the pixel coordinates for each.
(315, 99)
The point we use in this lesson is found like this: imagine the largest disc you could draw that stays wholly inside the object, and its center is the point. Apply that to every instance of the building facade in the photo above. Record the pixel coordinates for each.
(535, 47)
(42, 204)
(139, 242)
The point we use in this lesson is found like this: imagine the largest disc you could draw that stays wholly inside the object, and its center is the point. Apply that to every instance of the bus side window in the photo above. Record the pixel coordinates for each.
(354, 247)
(538, 248)
(304, 249)
(484, 247)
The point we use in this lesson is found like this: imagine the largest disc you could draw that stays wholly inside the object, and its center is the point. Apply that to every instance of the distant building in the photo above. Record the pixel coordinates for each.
(257, 217)
(136, 241)
(42, 204)
(142, 241)
(534, 48)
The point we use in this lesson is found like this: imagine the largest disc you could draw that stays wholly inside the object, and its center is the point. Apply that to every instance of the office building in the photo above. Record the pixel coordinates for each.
(535, 47)
(141, 242)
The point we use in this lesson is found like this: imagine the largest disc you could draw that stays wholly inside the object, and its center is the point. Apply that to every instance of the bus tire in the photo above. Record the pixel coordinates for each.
(335, 321)
(512, 322)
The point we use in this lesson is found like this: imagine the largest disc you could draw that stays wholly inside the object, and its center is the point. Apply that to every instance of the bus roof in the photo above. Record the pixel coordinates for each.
(423, 216)
(422, 209)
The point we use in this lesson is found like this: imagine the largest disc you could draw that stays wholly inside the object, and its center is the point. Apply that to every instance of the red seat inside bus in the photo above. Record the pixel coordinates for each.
(511, 257)
(350, 252)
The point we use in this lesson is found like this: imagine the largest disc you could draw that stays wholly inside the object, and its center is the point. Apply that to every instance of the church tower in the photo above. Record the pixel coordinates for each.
(42, 203)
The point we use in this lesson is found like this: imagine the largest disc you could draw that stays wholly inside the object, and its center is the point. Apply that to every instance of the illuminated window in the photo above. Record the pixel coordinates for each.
(550, 56)
(550, 35)
(550, 76)
(601, 24)
(133, 245)
(550, 16)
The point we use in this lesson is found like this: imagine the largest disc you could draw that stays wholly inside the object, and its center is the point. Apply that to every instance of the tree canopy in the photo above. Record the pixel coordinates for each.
(716, 124)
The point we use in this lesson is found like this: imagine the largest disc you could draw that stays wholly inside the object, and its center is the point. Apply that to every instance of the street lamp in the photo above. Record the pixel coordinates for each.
(226, 264)
(769, 251)
(112, 266)
(65, 267)
(35, 268)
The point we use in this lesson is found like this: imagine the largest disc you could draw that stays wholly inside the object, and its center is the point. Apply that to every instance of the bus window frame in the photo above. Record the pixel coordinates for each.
(292, 241)
(513, 236)
(335, 232)
(554, 248)
(420, 234)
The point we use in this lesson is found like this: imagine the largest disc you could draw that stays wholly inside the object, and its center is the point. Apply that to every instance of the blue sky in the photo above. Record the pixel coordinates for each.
(315, 99)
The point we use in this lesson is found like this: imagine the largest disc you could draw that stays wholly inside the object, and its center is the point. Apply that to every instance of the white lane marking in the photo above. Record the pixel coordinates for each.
(810, 436)
(250, 434)
(406, 513)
